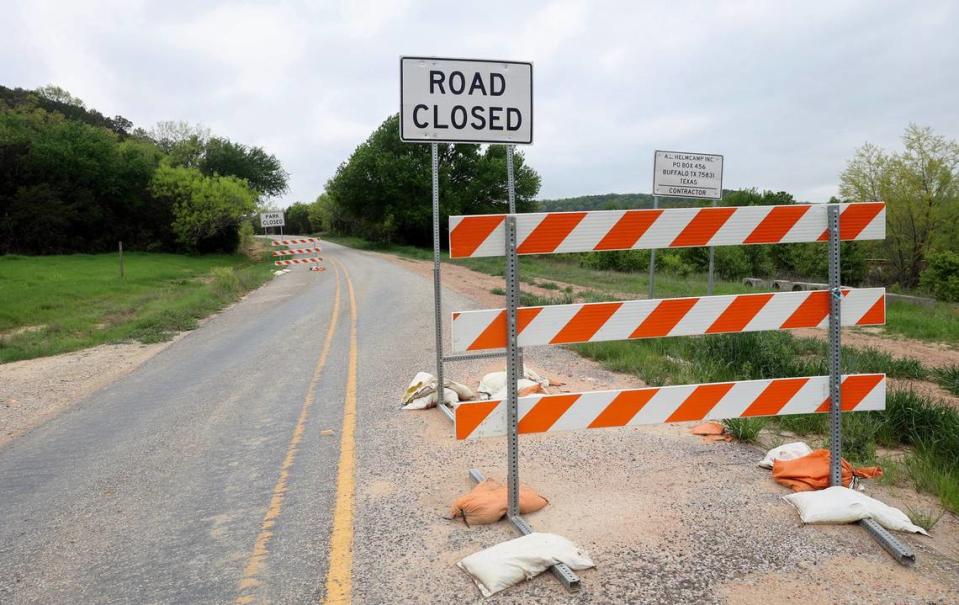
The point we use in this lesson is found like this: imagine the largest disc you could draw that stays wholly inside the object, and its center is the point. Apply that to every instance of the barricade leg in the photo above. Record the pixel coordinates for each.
(901, 552)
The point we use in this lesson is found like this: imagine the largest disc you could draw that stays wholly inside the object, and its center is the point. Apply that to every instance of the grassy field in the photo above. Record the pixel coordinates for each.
(55, 304)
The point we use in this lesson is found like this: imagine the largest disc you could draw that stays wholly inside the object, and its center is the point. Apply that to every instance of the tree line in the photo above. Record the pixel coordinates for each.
(74, 180)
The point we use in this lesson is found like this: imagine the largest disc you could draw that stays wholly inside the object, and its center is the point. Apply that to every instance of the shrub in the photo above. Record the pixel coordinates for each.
(941, 276)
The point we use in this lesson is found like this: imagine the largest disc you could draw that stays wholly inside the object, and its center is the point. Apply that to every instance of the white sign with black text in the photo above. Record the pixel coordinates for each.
(680, 174)
(465, 101)
(272, 219)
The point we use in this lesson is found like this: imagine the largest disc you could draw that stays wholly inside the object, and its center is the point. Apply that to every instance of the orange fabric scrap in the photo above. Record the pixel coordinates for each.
(487, 503)
(811, 472)
(712, 431)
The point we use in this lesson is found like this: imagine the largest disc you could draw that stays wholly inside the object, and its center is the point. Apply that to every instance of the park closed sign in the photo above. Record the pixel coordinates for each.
(271, 219)
(694, 175)
(465, 101)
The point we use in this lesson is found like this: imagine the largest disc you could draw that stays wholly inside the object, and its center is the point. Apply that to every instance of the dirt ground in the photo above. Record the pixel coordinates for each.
(712, 526)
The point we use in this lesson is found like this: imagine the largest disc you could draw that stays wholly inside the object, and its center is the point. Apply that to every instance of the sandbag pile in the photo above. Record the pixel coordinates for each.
(421, 392)
(806, 472)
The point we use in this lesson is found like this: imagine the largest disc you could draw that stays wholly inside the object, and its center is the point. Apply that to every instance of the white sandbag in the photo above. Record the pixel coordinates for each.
(787, 451)
(523, 386)
(839, 504)
(494, 382)
(499, 567)
(429, 400)
(421, 385)
(462, 391)
(421, 394)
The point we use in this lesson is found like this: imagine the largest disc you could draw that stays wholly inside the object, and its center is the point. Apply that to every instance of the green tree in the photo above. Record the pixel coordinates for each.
(383, 191)
(263, 171)
(297, 219)
(207, 210)
(920, 186)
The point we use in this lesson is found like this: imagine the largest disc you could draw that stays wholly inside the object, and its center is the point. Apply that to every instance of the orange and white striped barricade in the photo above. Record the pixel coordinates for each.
(298, 247)
(558, 232)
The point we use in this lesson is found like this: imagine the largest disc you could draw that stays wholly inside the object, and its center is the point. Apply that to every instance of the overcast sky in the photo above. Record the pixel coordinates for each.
(785, 90)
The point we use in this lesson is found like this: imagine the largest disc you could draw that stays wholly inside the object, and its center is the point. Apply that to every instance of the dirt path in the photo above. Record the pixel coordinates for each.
(932, 355)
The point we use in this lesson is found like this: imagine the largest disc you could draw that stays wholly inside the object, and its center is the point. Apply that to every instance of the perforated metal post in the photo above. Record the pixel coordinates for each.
(513, 369)
(835, 350)
(712, 266)
(652, 258)
(437, 294)
(901, 552)
(511, 192)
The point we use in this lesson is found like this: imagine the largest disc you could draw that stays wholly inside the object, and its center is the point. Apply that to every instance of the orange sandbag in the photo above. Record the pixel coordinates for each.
(487, 503)
(712, 431)
(811, 472)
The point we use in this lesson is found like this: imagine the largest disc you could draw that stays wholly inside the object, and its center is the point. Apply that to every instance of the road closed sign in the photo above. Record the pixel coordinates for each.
(680, 174)
(465, 101)
(271, 219)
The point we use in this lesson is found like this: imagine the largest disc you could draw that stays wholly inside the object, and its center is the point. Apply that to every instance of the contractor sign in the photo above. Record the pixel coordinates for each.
(681, 174)
(465, 101)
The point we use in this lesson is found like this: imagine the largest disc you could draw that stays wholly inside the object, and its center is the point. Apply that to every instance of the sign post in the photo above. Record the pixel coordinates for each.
(689, 175)
(486, 102)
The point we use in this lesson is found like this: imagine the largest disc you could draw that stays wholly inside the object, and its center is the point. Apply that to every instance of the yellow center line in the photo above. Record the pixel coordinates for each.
(339, 582)
(250, 583)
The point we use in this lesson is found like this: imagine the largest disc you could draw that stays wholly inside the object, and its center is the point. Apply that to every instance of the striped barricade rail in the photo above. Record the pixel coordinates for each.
(298, 261)
(656, 405)
(295, 242)
(596, 322)
(558, 232)
(295, 251)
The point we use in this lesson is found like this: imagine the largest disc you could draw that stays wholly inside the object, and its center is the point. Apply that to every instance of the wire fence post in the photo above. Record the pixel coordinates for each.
(437, 295)
(121, 260)
(652, 258)
(835, 350)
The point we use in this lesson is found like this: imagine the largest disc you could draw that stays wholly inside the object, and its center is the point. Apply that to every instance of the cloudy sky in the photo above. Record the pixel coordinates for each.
(785, 90)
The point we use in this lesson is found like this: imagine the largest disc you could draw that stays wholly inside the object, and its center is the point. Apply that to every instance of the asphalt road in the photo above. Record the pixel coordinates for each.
(209, 475)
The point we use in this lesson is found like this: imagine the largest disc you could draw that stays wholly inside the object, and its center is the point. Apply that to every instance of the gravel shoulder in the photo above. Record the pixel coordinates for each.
(666, 517)
(36, 390)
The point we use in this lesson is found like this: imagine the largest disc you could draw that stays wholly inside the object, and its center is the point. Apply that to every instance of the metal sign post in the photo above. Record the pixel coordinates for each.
(652, 259)
(712, 266)
(513, 370)
(835, 350)
(899, 551)
(437, 295)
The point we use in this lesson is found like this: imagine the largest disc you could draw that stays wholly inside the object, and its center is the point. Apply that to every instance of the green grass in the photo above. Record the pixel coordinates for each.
(745, 429)
(925, 518)
(938, 323)
(948, 378)
(56, 304)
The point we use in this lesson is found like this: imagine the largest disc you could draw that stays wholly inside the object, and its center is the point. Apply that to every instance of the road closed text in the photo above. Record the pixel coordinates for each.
(447, 100)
